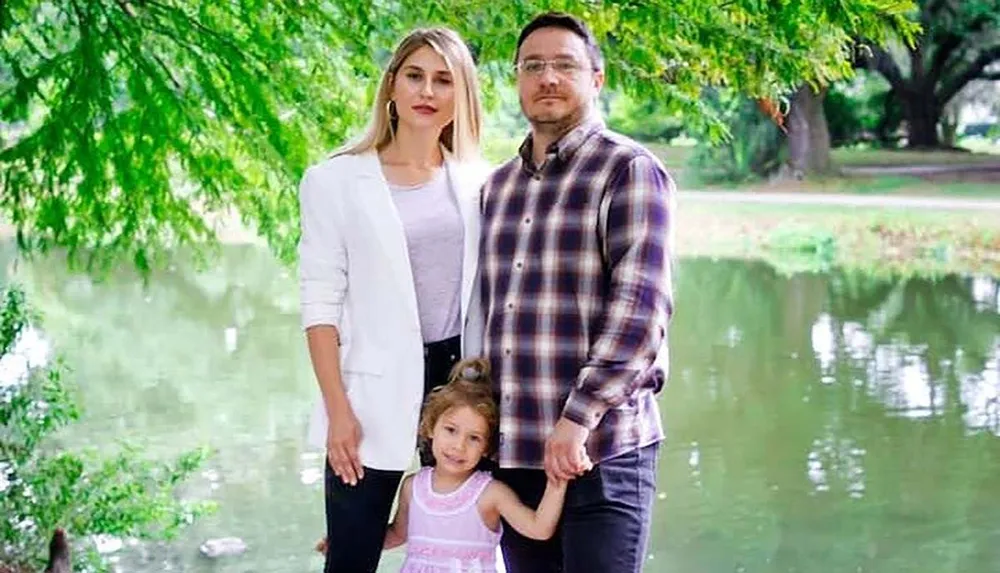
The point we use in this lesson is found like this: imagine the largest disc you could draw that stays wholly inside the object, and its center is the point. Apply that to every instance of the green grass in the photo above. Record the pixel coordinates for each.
(676, 157)
(855, 157)
(812, 237)
(907, 185)
(981, 145)
(877, 185)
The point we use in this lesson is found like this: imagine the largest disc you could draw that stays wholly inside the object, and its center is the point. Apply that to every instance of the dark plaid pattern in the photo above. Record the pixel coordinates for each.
(576, 310)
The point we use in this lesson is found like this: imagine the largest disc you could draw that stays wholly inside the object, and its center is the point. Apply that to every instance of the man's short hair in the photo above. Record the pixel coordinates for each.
(565, 22)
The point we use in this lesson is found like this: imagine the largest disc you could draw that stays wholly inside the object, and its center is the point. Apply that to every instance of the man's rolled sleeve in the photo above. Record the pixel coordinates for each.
(584, 408)
(633, 324)
(322, 256)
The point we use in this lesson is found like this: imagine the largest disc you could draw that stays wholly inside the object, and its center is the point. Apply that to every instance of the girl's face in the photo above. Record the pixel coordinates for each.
(424, 91)
(459, 440)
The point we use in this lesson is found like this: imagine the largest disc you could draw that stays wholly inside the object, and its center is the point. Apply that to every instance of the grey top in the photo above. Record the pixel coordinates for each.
(434, 237)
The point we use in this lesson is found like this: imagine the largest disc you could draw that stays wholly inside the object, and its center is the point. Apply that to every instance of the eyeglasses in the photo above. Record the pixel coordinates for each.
(562, 67)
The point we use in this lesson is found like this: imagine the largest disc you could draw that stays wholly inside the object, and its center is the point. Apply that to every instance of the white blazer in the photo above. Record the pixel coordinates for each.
(354, 273)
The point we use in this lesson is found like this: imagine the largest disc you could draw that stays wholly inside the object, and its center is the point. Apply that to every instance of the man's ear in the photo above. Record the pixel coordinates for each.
(598, 80)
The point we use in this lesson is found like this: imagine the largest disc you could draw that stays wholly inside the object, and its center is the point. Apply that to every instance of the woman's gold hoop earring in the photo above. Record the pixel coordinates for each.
(390, 110)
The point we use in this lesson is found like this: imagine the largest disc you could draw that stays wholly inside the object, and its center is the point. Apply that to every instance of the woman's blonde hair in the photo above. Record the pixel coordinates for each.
(461, 136)
(468, 385)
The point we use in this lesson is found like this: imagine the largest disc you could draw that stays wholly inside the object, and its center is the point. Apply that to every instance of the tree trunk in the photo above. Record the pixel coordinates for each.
(949, 128)
(808, 134)
(922, 118)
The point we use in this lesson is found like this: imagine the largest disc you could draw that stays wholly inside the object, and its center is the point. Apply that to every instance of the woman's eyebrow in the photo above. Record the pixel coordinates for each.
(415, 67)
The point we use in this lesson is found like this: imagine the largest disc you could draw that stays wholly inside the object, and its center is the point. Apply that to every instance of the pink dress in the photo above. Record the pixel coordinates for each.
(445, 533)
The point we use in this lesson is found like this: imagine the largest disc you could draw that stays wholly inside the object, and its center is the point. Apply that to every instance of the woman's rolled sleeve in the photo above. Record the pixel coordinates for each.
(322, 256)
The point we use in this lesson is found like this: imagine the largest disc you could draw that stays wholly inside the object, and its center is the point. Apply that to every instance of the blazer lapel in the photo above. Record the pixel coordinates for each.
(466, 184)
(388, 227)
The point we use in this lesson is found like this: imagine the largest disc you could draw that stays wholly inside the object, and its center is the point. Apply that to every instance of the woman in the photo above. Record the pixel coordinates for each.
(390, 230)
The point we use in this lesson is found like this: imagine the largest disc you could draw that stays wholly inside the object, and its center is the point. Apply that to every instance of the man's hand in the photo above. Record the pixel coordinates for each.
(342, 441)
(565, 451)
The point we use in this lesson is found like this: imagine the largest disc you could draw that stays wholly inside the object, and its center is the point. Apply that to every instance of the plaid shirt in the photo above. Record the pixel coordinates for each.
(576, 311)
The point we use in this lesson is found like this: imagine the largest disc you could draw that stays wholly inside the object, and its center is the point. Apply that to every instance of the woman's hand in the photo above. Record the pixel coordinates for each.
(342, 441)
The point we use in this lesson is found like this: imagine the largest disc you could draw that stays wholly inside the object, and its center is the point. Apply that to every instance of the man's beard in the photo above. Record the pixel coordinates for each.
(552, 122)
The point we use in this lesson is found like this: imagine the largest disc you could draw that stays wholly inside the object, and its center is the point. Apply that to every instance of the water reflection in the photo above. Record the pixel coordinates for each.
(986, 293)
(846, 428)
(898, 372)
(820, 422)
(31, 350)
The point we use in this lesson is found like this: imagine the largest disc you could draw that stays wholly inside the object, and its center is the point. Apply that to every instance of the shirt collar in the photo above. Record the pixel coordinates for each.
(568, 144)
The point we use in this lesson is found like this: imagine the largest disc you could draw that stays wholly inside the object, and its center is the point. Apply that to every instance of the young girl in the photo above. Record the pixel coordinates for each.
(449, 514)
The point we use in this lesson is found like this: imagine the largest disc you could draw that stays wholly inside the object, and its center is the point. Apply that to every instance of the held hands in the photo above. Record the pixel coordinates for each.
(342, 441)
(566, 453)
(557, 486)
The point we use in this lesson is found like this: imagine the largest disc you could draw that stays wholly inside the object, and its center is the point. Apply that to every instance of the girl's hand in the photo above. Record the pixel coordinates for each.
(557, 485)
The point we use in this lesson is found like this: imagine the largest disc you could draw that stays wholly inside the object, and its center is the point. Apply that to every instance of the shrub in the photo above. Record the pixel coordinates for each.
(43, 487)
(751, 149)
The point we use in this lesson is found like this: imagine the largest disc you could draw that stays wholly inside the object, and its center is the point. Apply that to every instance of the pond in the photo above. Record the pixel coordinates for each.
(831, 422)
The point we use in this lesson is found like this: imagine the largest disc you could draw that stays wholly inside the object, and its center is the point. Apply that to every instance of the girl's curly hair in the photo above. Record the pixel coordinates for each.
(468, 385)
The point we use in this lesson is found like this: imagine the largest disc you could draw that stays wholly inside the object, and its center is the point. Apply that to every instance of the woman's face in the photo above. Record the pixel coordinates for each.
(424, 91)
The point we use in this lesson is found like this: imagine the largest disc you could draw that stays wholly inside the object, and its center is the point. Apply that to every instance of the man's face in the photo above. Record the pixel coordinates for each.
(555, 78)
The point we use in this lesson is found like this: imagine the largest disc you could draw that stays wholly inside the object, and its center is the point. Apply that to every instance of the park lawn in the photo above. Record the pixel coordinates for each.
(906, 185)
(677, 157)
(958, 185)
(978, 174)
(858, 157)
(809, 238)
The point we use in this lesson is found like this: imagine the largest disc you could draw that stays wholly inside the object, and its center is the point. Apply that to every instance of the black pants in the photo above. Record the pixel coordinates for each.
(605, 521)
(357, 516)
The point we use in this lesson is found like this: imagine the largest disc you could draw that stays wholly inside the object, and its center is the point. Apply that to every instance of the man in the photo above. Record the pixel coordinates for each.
(576, 256)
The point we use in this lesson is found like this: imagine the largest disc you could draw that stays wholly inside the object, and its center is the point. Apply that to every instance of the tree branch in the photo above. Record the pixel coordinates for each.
(126, 7)
(222, 39)
(974, 71)
(918, 73)
(883, 63)
(946, 47)
(935, 9)
(980, 24)
(951, 37)
(3, 17)
(135, 49)
(927, 10)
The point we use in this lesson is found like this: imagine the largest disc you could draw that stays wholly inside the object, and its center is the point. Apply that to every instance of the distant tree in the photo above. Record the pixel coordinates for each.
(959, 44)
